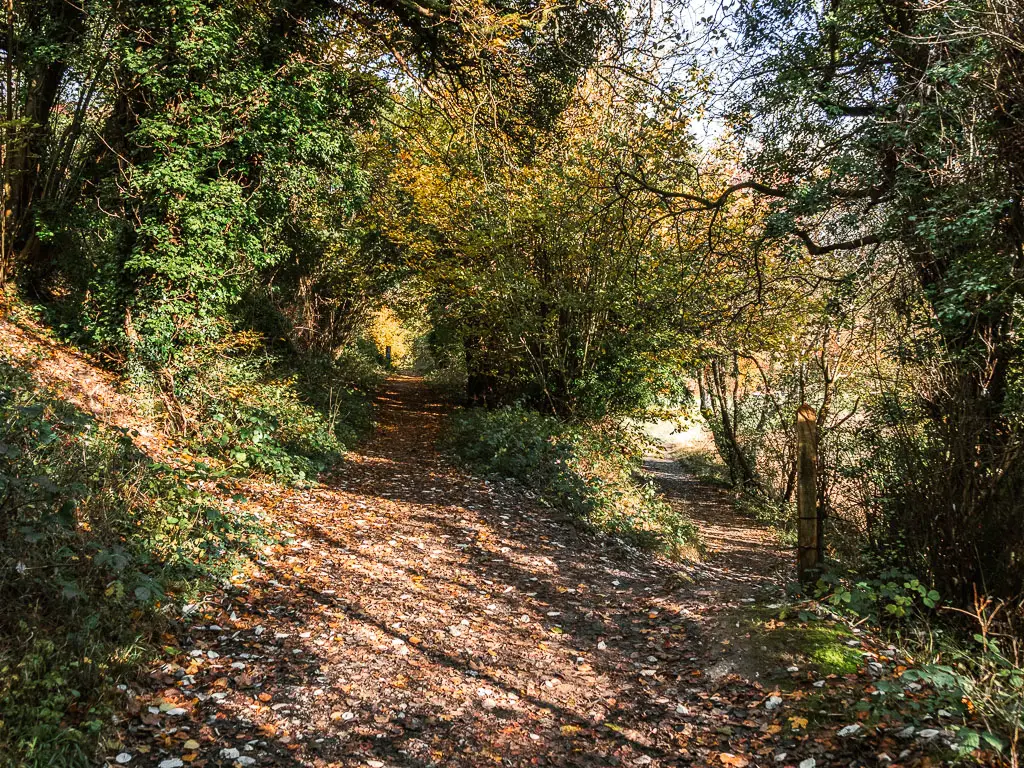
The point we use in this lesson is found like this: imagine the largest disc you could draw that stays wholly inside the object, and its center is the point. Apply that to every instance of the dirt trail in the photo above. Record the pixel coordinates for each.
(422, 616)
(741, 555)
(415, 615)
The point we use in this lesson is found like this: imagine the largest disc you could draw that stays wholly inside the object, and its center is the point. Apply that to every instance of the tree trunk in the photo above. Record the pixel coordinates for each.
(36, 78)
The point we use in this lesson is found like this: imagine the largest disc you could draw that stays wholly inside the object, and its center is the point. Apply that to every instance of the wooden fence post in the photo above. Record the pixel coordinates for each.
(809, 522)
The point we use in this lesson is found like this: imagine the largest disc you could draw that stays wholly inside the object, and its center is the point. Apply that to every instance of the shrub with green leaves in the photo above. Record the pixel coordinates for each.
(991, 677)
(586, 471)
(261, 413)
(978, 675)
(889, 596)
(91, 532)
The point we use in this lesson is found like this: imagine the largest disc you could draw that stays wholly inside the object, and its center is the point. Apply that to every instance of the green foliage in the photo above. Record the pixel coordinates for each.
(265, 414)
(980, 681)
(979, 675)
(705, 467)
(219, 193)
(989, 672)
(266, 427)
(223, 135)
(888, 597)
(562, 294)
(586, 472)
(440, 357)
(92, 532)
(896, 125)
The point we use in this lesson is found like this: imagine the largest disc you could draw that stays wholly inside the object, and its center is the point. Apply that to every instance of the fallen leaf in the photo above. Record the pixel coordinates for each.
(734, 761)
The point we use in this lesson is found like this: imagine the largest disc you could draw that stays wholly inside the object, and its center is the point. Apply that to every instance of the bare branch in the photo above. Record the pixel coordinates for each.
(846, 245)
(706, 203)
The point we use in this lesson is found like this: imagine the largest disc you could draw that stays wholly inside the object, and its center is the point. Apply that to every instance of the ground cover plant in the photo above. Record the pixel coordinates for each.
(94, 532)
(585, 473)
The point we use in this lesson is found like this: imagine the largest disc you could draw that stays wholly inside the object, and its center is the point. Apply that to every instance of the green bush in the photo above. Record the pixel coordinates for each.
(340, 388)
(91, 532)
(990, 673)
(779, 515)
(588, 472)
(890, 596)
(975, 669)
(449, 383)
(285, 417)
(706, 467)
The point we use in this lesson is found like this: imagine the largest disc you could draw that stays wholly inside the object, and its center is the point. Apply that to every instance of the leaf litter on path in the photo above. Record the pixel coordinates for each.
(415, 615)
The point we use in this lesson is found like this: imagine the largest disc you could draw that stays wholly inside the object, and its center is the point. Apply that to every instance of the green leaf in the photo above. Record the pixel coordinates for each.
(71, 591)
(993, 741)
(969, 739)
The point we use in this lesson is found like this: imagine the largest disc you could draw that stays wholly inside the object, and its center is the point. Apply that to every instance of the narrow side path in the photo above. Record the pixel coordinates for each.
(740, 550)
(744, 561)
(420, 616)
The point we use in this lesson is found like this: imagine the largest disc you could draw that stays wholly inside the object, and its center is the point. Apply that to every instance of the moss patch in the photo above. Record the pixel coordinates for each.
(767, 644)
(824, 648)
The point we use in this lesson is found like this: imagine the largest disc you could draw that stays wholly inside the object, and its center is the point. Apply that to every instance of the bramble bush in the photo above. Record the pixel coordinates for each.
(586, 471)
(92, 532)
(889, 596)
(261, 413)
(979, 673)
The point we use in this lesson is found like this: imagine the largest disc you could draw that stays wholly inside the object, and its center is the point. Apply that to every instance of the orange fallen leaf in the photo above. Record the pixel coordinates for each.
(734, 761)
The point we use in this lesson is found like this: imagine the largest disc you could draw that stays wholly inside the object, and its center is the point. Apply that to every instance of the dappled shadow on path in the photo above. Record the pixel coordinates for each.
(416, 615)
(739, 549)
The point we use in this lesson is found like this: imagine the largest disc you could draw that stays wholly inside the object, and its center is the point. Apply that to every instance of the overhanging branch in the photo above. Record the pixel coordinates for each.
(705, 202)
(846, 245)
(701, 202)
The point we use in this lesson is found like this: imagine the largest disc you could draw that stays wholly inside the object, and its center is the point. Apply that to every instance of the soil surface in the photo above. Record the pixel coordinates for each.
(421, 616)
(741, 554)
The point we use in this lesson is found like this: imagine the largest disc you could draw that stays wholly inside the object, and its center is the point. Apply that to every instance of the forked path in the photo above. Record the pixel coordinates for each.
(421, 616)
